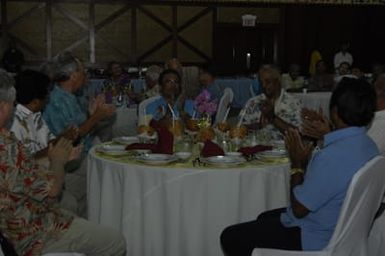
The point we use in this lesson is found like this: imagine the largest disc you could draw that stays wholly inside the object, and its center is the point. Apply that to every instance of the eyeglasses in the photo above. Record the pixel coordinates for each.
(171, 81)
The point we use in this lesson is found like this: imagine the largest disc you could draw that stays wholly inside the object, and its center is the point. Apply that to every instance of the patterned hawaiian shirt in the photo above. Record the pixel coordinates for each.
(31, 129)
(28, 216)
(63, 111)
(287, 107)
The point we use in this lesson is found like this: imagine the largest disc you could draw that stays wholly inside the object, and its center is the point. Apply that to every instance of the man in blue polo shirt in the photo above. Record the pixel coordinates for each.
(319, 185)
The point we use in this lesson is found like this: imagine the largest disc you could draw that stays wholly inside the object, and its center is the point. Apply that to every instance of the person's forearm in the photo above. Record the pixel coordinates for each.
(58, 172)
(89, 124)
(296, 178)
(280, 124)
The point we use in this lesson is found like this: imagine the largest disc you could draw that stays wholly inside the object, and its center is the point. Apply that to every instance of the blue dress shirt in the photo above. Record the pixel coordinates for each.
(326, 182)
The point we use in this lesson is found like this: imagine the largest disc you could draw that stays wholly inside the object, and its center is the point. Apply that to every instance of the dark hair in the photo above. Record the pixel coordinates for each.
(211, 70)
(31, 85)
(355, 101)
(166, 72)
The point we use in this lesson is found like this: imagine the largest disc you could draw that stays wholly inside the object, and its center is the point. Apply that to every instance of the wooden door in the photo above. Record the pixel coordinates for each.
(241, 50)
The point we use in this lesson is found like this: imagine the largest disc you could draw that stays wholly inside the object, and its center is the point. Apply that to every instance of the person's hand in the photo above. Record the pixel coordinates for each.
(267, 112)
(310, 114)
(95, 103)
(314, 124)
(299, 152)
(71, 133)
(105, 110)
(60, 152)
(75, 152)
(315, 129)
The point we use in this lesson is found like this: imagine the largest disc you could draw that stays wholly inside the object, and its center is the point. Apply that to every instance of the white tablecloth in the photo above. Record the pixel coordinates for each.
(179, 211)
(315, 100)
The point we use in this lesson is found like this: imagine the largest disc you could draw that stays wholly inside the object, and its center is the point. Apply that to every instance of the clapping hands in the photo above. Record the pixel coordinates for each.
(314, 124)
(299, 151)
(98, 105)
(59, 153)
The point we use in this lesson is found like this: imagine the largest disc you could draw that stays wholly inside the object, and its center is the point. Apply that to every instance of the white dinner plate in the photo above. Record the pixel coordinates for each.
(156, 159)
(274, 153)
(113, 150)
(233, 154)
(126, 140)
(145, 136)
(223, 160)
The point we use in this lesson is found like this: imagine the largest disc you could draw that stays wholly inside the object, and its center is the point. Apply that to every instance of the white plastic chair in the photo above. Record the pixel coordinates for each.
(142, 107)
(224, 105)
(362, 200)
(376, 243)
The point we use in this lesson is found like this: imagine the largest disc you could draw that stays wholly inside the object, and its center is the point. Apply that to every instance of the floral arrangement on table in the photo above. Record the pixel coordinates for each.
(122, 89)
(206, 107)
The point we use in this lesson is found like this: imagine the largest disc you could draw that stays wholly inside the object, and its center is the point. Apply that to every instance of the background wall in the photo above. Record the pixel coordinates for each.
(138, 33)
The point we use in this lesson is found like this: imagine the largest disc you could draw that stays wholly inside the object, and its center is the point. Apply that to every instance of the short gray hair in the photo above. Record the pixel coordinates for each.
(65, 64)
(7, 89)
(153, 72)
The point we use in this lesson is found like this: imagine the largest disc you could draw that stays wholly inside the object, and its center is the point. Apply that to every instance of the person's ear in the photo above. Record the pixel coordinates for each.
(35, 104)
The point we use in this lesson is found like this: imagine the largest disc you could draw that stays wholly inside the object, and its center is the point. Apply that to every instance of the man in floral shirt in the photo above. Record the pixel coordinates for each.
(30, 217)
(274, 111)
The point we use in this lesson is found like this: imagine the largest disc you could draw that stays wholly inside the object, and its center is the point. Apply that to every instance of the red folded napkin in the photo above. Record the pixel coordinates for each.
(211, 149)
(252, 150)
(164, 145)
(165, 142)
(140, 146)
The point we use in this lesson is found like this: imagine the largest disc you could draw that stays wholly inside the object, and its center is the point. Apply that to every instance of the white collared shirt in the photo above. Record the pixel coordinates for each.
(31, 129)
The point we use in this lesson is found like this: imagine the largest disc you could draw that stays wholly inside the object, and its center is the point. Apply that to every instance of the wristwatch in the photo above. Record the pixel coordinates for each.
(296, 170)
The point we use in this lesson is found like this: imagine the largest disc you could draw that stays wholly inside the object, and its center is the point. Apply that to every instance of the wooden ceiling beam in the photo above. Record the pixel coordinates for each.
(112, 17)
(194, 19)
(193, 48)
(70, 16)
(154, 48)
(26, 14)
(155, 18)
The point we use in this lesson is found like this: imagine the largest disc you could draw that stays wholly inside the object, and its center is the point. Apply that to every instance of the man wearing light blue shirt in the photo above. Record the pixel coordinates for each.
(318, 187)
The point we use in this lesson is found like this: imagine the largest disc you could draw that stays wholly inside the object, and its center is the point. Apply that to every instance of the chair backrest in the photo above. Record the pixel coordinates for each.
(224, 105)
(363, 198)
(142, 107)
(361, 203)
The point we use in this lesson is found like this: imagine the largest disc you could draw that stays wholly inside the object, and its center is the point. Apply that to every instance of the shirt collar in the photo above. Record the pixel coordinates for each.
(64, 92)
(23, 111)
(379, 114)
(339, 134)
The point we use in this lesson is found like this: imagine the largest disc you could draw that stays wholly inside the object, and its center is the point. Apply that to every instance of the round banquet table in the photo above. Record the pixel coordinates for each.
(179, 209)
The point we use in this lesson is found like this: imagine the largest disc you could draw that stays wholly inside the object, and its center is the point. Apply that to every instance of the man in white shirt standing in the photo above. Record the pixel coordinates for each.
(343, 56)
